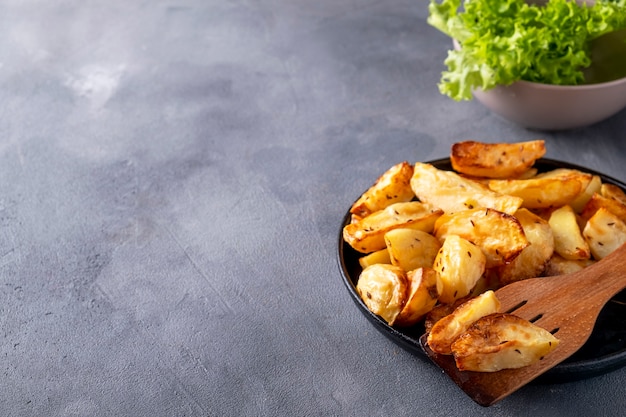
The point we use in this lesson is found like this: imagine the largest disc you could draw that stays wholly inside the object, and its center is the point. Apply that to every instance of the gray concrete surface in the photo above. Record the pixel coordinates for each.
(173, 175)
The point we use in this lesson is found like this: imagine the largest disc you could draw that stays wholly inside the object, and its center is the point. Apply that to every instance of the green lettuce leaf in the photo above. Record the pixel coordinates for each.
(503, 41)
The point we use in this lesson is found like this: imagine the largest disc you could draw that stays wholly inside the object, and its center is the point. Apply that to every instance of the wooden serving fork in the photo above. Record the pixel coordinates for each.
(565, 305)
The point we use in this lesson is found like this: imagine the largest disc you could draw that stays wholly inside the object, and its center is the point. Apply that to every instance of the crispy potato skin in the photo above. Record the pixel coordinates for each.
(495, 160)
(391, 187)
(501, 341)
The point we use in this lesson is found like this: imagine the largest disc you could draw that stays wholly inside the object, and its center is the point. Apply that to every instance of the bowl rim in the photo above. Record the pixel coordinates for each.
(570, 87)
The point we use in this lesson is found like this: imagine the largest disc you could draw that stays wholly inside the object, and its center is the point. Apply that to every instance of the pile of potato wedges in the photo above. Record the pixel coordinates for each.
(435, 243)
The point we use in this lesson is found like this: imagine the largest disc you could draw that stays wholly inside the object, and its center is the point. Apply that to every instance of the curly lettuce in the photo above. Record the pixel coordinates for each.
(503, 41)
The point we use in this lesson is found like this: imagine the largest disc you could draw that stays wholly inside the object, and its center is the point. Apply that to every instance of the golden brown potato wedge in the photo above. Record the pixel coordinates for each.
(598, 200)
(593, 187)
(460, 265)
(368, 234)
(613, 192)
(496, 160)
(585, 177)
(440, 311)
(568, 239)
(499, 235)
(553, 189)
(487, 282)
(411, 249)
(501, 341)
(446, 330)
(391, 187)
(451, 192)
(378, 257)
(557, 265)
(604, 232)
(532, 261)
(530, 173)
(383, 289)
(424, 289)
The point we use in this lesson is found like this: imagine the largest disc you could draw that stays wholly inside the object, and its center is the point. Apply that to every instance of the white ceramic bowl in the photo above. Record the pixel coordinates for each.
(554, 107)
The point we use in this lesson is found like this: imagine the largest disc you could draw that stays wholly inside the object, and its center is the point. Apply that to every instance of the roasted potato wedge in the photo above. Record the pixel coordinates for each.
(530, 173)
(501, 341)
(594, 186)
(557, 265)
(391, 187)
(424, 289)
(613, 192)
(533, 259)
(411, 249)
(561, 173)
(460, 265)
(568, 239)
(495, 160)
(383, 289)
(378, 257)
(553, 189)
(368, 234)
(452, 193)
(604, 232)
(440, 311)
(446, 330)
(598, 200)
(499, 235)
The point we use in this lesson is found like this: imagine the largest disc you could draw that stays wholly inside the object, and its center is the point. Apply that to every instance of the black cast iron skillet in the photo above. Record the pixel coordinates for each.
(604, 351)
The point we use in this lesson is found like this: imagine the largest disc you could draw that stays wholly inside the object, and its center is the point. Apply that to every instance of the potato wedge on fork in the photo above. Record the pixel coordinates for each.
(501, 341)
